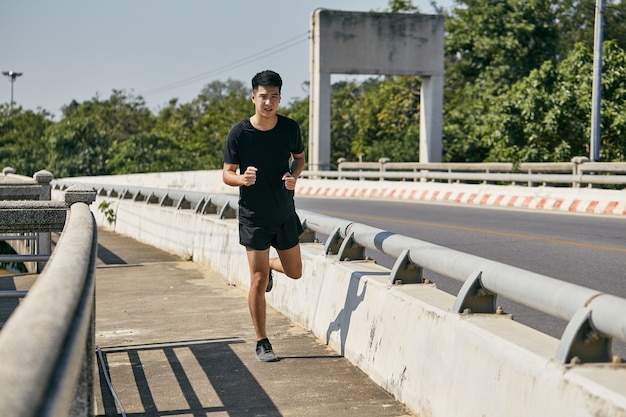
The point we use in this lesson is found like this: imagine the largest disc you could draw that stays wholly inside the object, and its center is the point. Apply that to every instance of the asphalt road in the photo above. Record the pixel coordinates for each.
(587, 250)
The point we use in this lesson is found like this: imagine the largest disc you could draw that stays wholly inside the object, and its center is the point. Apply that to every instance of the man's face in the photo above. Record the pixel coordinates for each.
(266, 100)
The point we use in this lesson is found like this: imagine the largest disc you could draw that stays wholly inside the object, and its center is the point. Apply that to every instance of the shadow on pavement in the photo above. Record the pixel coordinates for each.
(237, 389)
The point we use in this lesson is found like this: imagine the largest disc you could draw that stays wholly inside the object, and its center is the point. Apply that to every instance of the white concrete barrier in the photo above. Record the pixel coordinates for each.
(405, 338)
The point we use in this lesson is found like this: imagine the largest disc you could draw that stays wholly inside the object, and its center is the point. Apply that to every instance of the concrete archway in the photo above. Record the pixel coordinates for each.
(375, 43)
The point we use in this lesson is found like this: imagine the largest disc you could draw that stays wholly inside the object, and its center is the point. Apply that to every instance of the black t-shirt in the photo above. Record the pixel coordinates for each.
(267, 202)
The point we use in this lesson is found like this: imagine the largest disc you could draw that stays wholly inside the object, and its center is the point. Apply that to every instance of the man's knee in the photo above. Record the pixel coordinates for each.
(294, 271)
(294, 275)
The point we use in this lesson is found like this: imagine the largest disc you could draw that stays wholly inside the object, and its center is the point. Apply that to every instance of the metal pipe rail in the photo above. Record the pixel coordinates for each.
(594, 318)
(48, 342)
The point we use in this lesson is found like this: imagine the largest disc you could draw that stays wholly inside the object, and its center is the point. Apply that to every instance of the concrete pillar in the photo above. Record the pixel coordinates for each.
(319, 122)
(431, 119)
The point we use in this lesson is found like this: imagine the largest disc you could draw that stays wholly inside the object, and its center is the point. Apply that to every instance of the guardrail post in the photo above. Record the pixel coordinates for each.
(340, 162)
(382, 162)
(577, 161)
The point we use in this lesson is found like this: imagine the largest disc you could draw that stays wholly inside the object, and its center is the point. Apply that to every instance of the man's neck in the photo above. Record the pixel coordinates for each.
(264, 123)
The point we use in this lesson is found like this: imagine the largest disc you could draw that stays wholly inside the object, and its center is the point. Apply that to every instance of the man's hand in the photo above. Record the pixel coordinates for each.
(290, 181)
(249, 177)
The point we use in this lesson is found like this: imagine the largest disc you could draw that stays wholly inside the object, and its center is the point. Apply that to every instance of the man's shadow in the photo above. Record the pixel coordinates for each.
(352, 301)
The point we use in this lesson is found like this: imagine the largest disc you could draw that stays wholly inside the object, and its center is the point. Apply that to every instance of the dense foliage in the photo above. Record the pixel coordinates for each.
(517, 88)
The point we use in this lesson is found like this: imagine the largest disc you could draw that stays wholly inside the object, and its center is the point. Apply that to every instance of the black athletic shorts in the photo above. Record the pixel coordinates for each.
(280, 236)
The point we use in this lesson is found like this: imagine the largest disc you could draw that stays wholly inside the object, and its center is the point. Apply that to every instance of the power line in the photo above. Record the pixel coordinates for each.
(243, 61)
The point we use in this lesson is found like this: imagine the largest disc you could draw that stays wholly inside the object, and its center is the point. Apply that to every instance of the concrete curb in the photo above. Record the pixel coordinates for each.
(575, 200)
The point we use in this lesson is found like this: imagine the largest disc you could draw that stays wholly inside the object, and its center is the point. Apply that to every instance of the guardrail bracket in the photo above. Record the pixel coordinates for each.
(351, 250)
(308, 236)
(205, 206)
(406, 272)
(581, 342)
(227, 212)
(333, 242)
(474, 297)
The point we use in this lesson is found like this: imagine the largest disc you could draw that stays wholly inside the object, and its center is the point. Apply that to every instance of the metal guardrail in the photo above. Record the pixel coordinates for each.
(577, 173)
(47, 345)
(586, 338)
(594, 318)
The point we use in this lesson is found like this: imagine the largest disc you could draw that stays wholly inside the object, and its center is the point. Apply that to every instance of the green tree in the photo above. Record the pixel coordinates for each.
(22, 143)
(115, 120)
(298, 110)
(119, 117)
(146, 152)
(345, 99)
(495, 42)
(490, 44)
(227, 104)
(387, 120)
(576, 23)
(546, 116)
(76, 148)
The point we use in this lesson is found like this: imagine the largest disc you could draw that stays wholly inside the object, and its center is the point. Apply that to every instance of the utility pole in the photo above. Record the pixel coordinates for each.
(12, 75)
(596, 89)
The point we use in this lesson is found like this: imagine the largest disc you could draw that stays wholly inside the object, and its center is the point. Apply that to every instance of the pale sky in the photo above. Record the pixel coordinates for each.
(159, 49)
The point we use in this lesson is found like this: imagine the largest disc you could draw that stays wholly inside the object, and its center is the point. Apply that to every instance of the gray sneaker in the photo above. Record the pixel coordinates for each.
(264, 352)
(270, 282)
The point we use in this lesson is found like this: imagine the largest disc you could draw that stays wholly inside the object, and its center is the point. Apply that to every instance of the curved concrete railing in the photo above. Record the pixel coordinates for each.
(33, 249)
(47, 345)
(417, 342)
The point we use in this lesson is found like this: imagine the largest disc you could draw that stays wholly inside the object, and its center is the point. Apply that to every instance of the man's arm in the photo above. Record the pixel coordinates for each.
(297, 165)
(231, 177)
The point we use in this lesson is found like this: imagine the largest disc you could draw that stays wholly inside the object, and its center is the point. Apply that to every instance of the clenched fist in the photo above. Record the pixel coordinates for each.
(249, 177)
(290, 181)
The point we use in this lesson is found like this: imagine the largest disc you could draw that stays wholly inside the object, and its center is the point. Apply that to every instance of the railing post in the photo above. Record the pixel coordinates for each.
(577, 161)
(361, 157)
(44, 241)
(340, 162)
(382, 162)
(79, 193)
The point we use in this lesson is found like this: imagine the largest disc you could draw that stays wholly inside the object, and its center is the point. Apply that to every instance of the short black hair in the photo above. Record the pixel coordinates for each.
(267, 78)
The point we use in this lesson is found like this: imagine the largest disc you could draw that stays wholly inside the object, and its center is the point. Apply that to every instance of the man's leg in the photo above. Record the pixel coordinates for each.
(289, 262)
(258, 262)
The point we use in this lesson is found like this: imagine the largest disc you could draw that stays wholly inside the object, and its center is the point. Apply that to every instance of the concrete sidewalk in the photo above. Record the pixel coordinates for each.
(177, 340)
